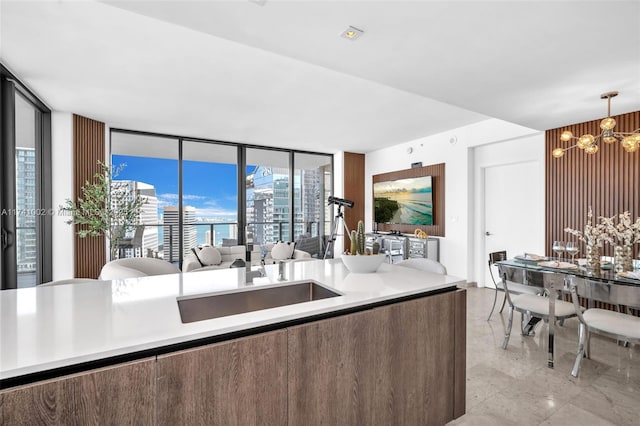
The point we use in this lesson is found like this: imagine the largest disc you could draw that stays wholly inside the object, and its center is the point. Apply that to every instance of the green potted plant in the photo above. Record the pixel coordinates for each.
(358, 259)
(105, 207)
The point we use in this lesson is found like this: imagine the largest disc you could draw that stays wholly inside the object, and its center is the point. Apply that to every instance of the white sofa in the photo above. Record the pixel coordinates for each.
(297, 255)
(228, 256)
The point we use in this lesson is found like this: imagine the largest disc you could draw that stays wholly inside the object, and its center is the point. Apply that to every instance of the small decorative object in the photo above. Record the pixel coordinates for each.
(593, 236)
(359, 260)
(622, 235)
(419, 233)
(360, 237)
(354, 243)
(375, 247)
(362, 264)
(593, 257)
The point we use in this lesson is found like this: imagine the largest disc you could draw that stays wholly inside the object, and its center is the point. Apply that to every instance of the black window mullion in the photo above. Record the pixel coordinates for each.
(9, 279)
(180, 208)
(292, 218)
(242, 194)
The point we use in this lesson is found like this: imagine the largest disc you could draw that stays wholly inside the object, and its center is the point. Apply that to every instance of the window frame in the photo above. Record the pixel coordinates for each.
(242, 174)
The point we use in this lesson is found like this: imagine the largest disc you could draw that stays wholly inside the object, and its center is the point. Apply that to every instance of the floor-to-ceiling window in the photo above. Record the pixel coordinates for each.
(150, 167)
(25, 200)
(267, 195)
(312, 214)
(210, 188)
(210, 192)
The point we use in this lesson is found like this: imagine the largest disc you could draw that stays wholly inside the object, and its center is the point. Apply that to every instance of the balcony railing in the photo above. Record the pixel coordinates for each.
(256, 233)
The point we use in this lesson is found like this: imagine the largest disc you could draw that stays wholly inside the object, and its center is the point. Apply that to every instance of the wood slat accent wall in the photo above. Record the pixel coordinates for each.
(436, 171)
(608, 181)
(353, 189)
(88, 149)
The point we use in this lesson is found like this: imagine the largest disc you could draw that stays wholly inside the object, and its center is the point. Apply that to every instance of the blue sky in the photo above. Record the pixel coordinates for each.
(209, 187)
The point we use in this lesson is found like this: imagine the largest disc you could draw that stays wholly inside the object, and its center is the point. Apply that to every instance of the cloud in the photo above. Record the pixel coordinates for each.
(216, 212)
(169, 199)
(209, 208)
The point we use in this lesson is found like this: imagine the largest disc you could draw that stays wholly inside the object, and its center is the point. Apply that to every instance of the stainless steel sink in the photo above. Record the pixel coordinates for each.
(199, 307)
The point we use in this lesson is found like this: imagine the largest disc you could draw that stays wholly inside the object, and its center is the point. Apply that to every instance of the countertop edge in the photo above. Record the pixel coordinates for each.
(147, 349)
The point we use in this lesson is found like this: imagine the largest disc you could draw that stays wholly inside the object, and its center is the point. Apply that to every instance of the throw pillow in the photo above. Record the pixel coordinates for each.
(282, 250)
(210, 256)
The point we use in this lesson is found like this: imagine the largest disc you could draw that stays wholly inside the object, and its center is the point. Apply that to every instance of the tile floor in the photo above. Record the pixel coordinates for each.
(514, 386)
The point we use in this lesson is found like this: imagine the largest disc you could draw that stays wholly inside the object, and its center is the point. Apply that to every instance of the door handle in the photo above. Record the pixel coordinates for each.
(488, 233)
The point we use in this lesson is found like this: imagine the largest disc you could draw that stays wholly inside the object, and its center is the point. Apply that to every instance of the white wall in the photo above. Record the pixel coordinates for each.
(338, 182)
(455, 149)
(62, 188)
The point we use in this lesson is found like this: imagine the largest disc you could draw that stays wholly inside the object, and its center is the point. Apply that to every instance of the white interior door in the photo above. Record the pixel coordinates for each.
(512, 219)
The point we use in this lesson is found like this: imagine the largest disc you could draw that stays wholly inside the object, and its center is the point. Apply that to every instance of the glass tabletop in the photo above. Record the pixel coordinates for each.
(562, 267)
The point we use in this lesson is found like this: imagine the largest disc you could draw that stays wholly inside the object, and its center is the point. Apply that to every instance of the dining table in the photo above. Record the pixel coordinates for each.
(557, 276)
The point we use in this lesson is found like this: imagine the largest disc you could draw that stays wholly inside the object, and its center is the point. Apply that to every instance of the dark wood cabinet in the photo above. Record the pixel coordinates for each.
(402, 363)
(239, 382)
(396, 364)
(118, 395)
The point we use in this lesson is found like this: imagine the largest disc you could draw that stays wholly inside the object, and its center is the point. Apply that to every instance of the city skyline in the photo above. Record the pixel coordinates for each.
(210, 196)
(210, 188)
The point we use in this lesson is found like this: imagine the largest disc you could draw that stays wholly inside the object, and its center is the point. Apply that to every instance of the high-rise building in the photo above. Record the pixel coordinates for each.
(268, 204)
(26, 208)
(171, 221)
(148, 213)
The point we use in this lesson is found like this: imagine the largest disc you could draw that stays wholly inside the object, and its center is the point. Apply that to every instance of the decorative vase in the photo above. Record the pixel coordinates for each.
(623, 258)
(593, 257)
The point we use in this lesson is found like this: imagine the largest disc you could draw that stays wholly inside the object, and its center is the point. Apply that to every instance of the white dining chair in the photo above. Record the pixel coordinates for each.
(616, 325)
(534, 308)
(515, 288)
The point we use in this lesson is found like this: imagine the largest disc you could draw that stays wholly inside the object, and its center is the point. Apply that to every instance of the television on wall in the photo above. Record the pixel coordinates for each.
(404, 201)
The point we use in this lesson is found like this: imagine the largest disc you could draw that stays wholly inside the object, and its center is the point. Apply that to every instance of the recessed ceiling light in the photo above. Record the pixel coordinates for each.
(352, 33)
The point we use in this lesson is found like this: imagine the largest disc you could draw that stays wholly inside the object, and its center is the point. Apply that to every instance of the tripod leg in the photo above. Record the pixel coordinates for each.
(332, 238)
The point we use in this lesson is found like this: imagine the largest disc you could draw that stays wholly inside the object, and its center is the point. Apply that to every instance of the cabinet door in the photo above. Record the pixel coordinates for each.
(390, 365)
(239, 382)
(111, 396)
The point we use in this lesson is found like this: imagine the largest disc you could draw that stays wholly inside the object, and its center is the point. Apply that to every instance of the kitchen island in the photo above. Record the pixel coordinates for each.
(389, 346)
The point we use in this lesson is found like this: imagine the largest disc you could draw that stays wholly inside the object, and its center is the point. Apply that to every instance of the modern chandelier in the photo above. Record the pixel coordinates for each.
(630, 141)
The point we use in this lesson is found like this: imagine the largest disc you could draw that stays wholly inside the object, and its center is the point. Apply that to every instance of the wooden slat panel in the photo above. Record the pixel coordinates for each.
(88, 149)
(608, 181)
(436, 171)
(353, 190)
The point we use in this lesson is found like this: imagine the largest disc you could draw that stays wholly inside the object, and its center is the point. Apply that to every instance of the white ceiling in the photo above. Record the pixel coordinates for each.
(280, 75)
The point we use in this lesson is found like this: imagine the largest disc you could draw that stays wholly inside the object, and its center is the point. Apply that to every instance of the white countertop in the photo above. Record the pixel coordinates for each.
(56, 326)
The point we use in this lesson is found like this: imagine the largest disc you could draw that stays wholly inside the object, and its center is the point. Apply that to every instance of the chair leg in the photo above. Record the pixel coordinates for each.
(507, 333)
(495, 298)
(504, 299)
(524, 319)
(581, 344)
(587, 349)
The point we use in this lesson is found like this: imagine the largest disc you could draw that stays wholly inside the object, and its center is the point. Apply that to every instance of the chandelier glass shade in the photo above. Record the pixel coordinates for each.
(630, 141)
